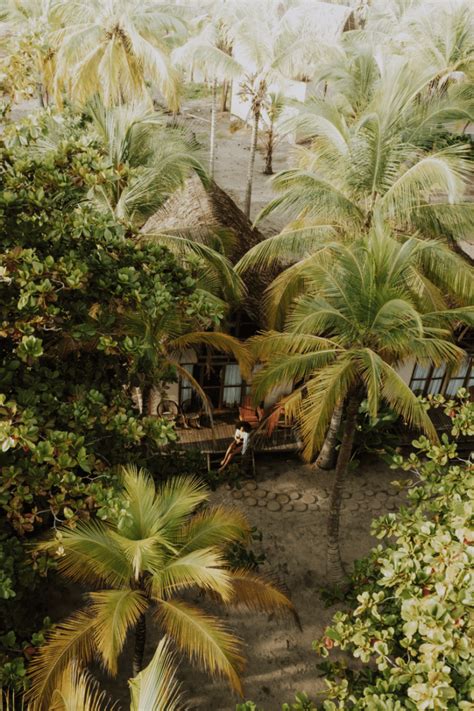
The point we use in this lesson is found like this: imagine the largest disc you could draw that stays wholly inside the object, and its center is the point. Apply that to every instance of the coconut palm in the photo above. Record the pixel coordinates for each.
(116, 48)
(362, 315)
(151, 157)
(274, 107)
(162, 340)
(155, 688)
(164, 545)
(378, 162)
(271, 50)
(209, 51)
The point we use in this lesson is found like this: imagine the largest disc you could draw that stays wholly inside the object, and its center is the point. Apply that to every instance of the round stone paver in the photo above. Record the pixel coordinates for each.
(308, 498)
(346, 495)
(260, 493)
(283, 499)
(262, 502)
(368, 492)
(294, 495)
(273, 506)
(250, 501)
(250, 485)
(287, 507)
(237, 494)
(271, 495)
(299, 506)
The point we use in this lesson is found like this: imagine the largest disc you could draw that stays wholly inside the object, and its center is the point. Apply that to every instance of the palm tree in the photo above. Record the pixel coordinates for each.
(362, 315)
(210, 52)
(155, 688)
(163, 339)
(274, 107)
(151, 158)
(115, 48)
(270, 50)
(373, 163)
(164, 545)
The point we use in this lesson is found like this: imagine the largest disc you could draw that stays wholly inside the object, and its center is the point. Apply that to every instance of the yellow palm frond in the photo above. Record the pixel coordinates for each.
(214, 526)
(116, 612)
(71, 639)
(203, 639)
(156, 688)
(88, 554)
(203, 568)
(257, 594)
(78, 691)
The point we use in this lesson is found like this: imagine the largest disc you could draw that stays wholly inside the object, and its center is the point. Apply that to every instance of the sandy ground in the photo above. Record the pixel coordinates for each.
(280, 660)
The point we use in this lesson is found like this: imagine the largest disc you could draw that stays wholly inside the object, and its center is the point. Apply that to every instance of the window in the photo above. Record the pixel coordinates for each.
(220, 379)
(428, 380)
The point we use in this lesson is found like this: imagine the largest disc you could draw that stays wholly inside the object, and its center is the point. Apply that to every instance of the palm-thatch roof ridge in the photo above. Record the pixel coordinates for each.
(201, 207)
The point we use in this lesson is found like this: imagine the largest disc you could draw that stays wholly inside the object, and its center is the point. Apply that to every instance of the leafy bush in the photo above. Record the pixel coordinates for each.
(411, 623)
(68, 276)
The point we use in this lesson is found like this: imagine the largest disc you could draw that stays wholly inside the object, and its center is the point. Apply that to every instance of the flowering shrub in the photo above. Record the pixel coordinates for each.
(412, 623)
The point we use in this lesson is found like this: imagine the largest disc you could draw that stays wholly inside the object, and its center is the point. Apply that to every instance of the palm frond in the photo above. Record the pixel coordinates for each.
(77, 690)
(258, 594)
(203, 639)
(156, 687)
(214, 526)
(116, 612)
(202, 568)
(72, 639)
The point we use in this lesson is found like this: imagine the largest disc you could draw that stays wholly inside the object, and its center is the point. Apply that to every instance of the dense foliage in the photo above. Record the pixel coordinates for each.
(411, 619)
(68, 278)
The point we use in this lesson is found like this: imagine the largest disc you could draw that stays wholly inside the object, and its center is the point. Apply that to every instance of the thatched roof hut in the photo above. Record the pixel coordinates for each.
(202, 208)
(199, 207)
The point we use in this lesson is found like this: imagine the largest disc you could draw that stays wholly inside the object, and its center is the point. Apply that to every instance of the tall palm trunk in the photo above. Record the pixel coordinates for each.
(253, 151)
(139, 650)
(269, 156)
(335, 569)
(212, 148)
(327, 456)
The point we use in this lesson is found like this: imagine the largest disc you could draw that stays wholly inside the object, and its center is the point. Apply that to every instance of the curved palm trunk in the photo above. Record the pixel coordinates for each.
(212, 148)
(253, 151)
(327, 456)
(335, 570)
(139, 650)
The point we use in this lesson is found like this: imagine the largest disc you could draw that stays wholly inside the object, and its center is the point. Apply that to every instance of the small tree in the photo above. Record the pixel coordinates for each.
(160, 548)
(409, 622)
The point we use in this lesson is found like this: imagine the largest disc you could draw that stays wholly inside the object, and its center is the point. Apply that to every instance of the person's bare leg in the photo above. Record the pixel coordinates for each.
(228, 451)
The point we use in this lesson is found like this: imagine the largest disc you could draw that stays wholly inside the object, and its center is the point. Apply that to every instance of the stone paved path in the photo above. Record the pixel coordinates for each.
(253, 494)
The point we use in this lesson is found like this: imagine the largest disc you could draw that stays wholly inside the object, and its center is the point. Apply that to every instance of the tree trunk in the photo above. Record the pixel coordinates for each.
(269, 156)
(212, 148)
(139, 650)
(253, 151)
(335, 569)
(225, 94)
(153, 399)
(327, 455)
(40, 93)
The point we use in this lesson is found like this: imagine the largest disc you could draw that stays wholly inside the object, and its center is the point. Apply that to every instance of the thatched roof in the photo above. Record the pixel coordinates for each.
(197, 207)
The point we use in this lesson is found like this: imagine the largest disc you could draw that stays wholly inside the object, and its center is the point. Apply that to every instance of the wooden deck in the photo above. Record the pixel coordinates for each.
(217, 440)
